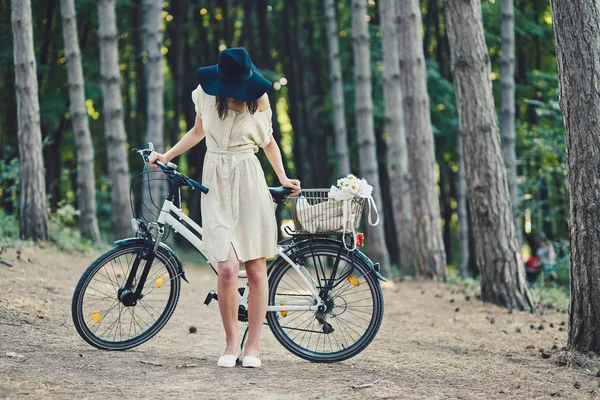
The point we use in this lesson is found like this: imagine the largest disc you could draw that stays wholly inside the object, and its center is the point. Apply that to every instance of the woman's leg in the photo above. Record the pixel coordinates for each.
(228, 300)
(257, 303)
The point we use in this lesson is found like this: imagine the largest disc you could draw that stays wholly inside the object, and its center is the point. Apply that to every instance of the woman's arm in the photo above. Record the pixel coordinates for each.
(274, 156)
(189, 140)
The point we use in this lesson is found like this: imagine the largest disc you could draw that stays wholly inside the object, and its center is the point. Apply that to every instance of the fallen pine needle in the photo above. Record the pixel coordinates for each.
(151, 363)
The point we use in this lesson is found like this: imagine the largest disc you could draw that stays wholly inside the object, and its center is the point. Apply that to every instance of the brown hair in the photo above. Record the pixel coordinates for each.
(222, 109)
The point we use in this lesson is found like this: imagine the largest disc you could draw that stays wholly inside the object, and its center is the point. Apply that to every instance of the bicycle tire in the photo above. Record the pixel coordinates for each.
(80, 290)
(325, 248)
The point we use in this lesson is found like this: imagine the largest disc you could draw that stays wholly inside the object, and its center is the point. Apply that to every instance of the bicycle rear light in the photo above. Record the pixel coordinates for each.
(360, 239)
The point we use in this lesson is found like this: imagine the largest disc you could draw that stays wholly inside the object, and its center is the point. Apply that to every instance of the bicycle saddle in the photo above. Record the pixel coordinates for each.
(280, 193)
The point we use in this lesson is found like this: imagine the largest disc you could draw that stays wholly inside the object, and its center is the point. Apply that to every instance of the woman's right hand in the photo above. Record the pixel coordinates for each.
(154, 156)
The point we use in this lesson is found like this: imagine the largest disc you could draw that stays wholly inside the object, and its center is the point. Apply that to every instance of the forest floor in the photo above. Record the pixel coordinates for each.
(435, 342)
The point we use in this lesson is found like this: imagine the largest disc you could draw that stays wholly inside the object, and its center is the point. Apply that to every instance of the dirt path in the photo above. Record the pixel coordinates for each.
(433, 344)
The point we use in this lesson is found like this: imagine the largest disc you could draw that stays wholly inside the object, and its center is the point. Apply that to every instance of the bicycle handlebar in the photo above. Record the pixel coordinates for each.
(170, 169)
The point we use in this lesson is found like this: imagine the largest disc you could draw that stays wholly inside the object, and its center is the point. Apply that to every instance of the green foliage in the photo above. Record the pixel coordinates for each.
(9, 183)
(550, 296)
(9, 226)
(467, 283)
(64, 232)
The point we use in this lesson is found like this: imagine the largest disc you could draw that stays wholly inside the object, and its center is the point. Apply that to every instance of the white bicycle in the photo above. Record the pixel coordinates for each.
(325, 301)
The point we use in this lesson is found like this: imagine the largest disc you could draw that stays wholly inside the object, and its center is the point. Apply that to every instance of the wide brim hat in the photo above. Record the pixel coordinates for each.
(234, 76)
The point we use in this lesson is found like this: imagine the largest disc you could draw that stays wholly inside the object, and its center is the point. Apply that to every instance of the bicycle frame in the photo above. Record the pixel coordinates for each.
(171, 215)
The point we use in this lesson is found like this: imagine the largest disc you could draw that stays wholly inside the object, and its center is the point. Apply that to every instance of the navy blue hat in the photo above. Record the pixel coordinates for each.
(235, 76)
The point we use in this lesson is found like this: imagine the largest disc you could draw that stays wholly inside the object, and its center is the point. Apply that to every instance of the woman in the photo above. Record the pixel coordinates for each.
(238, 217)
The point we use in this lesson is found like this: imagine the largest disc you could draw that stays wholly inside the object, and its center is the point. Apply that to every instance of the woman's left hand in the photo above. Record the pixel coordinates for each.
(293, 184)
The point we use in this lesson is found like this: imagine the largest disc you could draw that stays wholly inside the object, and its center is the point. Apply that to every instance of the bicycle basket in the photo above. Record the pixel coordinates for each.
(146, 194)
(313, 212)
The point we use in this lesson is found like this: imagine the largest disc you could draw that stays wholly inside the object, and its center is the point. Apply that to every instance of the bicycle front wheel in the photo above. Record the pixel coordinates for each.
(353, 297)
(102, 319)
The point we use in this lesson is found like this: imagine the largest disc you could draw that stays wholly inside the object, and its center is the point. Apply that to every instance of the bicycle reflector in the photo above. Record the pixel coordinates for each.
(360, 239)
(96, 317)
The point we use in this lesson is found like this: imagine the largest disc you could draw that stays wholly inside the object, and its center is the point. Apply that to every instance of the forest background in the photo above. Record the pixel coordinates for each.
(288, 41)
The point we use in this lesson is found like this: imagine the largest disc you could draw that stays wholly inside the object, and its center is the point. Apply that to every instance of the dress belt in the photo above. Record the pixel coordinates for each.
(231, 153)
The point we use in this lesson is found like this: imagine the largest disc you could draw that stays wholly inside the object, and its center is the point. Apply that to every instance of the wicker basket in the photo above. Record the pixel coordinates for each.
(313, 212)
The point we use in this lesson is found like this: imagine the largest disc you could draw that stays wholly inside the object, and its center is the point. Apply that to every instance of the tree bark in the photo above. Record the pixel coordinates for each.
(577, 34)
(396, 142)
(366, 132)
(114, 128)
(140, 91)
(153, 41)
(337, 91)
(86, 186)
(32, 187)
(428, 246)
(463, 217)
(180, 32)
(497, 250)
(507, 109)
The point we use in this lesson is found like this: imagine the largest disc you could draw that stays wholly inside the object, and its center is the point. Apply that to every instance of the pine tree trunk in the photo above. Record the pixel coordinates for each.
(153, 41)
(180, 32)
(114, 128)
(577, 34)
(366, 133)
(32, 186)
(86, 187)
(497, 250)
(396, 142)
(507, 109)
(428, 246)
(337, 91)
(463, 217)
(136, 35)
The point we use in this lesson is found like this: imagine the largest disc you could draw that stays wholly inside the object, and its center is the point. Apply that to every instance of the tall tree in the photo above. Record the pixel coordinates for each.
(32, 186)
(428, 246)
(153, 42)
(114, 128)
(577, 35)
(507, 109)
(337, 90)
(86, 187)
(396, 142)
(178, 33)
(366, 132)
(463, 217)
(497, 250)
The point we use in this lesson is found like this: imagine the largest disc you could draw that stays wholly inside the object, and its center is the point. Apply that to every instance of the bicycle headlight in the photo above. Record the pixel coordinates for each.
(135, 225)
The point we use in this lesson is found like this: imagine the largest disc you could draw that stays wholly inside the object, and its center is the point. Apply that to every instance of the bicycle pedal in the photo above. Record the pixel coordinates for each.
(210, 296)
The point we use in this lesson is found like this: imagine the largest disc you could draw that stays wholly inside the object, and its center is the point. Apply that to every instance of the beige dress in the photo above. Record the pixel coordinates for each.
(238, 210)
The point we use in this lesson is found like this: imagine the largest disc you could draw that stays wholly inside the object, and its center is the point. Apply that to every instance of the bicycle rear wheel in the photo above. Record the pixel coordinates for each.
(354, 304)
(103, 321)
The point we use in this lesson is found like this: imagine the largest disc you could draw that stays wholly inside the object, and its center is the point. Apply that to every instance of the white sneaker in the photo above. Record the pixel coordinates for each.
(251, 362)
(227, 361)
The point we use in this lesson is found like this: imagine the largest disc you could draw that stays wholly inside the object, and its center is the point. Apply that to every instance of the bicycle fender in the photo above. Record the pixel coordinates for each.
(374, 266)
(163, 246)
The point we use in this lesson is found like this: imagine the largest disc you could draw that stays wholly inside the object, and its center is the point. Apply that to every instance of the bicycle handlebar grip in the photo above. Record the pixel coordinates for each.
(172, 165)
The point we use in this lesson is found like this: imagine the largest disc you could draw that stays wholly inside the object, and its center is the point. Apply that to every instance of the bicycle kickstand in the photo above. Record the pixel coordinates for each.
(243, 342)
